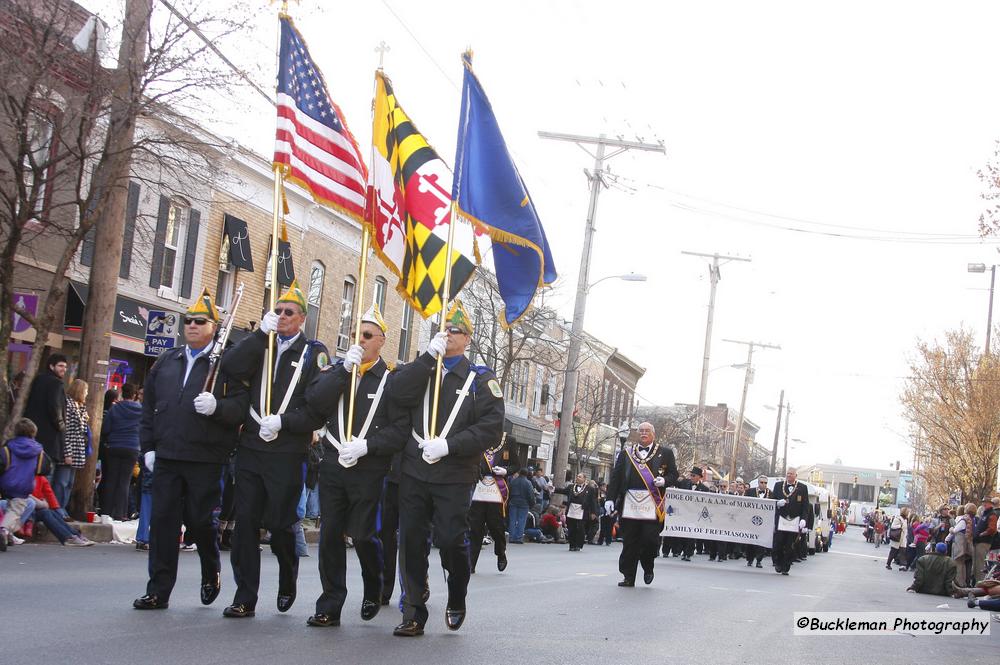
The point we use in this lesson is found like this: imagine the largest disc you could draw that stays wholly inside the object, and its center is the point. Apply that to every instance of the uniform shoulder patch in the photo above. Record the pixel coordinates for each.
(494, 386)
(322, 360)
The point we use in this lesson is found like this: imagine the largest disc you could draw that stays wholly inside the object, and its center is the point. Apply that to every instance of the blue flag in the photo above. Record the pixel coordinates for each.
(489, 192)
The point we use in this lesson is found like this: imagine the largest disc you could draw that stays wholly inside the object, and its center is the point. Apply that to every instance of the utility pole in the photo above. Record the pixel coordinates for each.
(777, 431)
(714, 277)
(743, 400)
(788, 420)
(561, 456)
(95, 345)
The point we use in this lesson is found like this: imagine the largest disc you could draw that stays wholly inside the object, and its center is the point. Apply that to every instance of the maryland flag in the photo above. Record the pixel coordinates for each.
(409, 207)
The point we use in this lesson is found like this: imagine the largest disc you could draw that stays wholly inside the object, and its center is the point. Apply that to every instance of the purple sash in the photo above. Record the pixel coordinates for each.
(500, 480)
(649, 481)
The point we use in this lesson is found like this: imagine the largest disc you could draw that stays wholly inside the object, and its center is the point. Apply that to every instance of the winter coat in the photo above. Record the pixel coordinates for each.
(934, 575)
(121, 426)
(21, 459)
(961, 547)
(77, 437)
(46, 408)
(522, 493)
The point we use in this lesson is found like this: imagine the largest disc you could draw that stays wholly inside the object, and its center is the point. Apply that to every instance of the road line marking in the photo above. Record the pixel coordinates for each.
(805, 595)
(867, 556)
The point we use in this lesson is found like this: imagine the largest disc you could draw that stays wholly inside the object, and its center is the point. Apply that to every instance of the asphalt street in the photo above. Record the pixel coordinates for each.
(550, 606)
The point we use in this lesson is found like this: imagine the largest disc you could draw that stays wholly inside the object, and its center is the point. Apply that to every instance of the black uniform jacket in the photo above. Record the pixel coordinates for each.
(686, 484)
(170, 425)
(244, 361)
(46, 407)
(624, 477)
(477, 427)
(389, 429)
(797, 498)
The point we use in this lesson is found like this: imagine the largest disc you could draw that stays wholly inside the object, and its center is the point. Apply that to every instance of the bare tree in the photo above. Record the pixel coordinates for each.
(952, 398)
(63, 115)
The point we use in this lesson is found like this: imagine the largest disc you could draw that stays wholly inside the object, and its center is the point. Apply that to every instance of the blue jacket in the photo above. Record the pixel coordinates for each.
(121, 426)
(21, 459)
(522, 493)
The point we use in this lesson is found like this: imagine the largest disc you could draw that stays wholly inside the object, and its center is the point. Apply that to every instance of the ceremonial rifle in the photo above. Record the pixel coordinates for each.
(221, 337)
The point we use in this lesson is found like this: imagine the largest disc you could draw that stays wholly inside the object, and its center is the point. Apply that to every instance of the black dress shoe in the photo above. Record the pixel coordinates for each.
(285, 601)
(238, 611)
(685, 558)
(369, 608)
(784, 572)
(454, 618)
(502, 562)
(210, 590)
(759, 565)
(384, 600)
(627, 583)
(149, 602)
(408, 629)
(749, 562)
(322, 620)
(647, 578)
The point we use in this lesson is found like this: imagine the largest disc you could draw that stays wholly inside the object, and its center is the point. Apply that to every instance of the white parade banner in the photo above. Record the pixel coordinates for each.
(710, 516)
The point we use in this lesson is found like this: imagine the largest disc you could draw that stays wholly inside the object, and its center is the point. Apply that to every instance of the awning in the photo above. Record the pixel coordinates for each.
(522, 430)
(130, 315)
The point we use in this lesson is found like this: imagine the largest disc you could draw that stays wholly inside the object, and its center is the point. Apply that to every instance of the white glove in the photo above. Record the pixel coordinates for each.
(499, 471)
(269, 427)
(355, 448)
(950, 537)
(438, 345)
(269, 323)
(781, 503)
(346, 458)
(352, 358)
(434, 449)
(149, 459)
(659, 481)
(205, 403)
(802, 524)
(609, 507)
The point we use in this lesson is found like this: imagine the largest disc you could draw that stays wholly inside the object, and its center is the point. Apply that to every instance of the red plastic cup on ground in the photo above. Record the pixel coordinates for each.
(91, 517)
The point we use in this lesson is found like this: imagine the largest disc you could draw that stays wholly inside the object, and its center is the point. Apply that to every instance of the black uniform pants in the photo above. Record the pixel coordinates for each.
(389, 536)
(755, 552)
(486, 517)
(268, 488)
(116, 473)
(445, 508)
(783, 549)
(188, 492)
(349, 504)
(607, 523)
(640, 543)
(576, 533)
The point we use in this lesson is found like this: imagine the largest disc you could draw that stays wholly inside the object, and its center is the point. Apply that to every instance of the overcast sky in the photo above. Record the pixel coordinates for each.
(783, 122)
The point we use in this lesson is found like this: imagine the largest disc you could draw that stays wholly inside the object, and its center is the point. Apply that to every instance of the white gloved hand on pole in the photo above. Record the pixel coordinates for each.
(205, 403)
(356, 448)
(781, 503)
(438, 345)
(609, 507)
(499, 471)
(434, 449)
(269, 427)
(269, 323)
(802, 524)
(352, 358)
(149, 459)
(659, 481)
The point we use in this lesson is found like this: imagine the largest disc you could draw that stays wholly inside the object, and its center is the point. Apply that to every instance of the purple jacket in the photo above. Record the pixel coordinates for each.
(21, 459)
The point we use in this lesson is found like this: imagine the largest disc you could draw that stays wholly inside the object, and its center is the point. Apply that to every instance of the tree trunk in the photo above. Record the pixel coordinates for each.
(95, 345)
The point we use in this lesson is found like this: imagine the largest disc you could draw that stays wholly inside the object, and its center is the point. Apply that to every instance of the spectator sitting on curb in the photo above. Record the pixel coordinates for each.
(935, 573)
(21, 459)
(47, 511)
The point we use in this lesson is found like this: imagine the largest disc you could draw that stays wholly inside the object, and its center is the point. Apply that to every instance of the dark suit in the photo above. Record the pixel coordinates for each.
(587, 499)
(440, 494)
(191, 452)
(487, 517)
(46, 407)
(756, 552)
(797, 503)
(349, 497)
(270, 474)
(640, 538)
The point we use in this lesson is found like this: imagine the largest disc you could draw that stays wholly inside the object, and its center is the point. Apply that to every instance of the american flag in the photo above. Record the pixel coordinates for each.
(313, 144)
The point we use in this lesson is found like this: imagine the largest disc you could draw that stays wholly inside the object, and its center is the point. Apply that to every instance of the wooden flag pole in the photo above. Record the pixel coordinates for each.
(444, 315)
(269, 380)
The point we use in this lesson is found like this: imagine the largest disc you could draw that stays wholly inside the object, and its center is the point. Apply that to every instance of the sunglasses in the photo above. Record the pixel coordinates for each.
(287, 311)
(367, 334)
(198, 322)
(454, 330)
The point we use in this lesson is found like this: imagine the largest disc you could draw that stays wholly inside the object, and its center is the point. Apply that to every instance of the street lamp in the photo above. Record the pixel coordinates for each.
(981, 268)
(630, 277)
(561, 453)
(624, 430)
